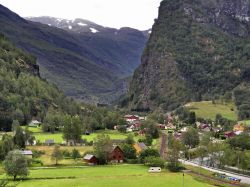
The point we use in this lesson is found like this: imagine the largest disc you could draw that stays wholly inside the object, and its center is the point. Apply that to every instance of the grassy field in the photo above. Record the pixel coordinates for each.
(41, 137)
(107, 176)
(208, 110)
(246, 122)
(46, 158)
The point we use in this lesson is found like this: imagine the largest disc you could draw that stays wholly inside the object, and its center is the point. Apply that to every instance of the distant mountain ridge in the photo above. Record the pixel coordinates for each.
(91, 66)
(79, 25)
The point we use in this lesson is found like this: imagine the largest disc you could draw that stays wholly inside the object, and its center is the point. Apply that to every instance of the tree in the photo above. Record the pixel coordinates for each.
(241, 142)
(28, 136)
(191, 138)
(174, 155)
(148, 140)
(102, 147)
(19, 137)
(201, 153)
(72, 128)
(122, 128)
(6, 145)
(151, 127)
(130, 139)
(154, 161)
(75, 154)
(147, 153)
(56, 154)
(129, 151)
(16, 164)
(192, 118)
(15, 124)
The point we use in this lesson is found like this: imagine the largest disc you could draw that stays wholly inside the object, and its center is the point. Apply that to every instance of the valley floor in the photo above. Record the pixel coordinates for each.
(107, 176)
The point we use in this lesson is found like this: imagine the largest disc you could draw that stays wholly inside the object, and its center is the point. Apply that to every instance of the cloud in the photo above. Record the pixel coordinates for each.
(113, 13)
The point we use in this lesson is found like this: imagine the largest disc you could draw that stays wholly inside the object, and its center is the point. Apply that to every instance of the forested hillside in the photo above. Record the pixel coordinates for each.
(198, 50)
(24, 95)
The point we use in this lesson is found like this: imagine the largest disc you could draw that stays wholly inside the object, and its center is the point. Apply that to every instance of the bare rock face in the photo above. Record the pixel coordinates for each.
(198, 50)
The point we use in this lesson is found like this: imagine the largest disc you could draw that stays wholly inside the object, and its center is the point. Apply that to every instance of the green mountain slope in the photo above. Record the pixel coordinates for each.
(23, 94)
(198, 50)
(88, 66)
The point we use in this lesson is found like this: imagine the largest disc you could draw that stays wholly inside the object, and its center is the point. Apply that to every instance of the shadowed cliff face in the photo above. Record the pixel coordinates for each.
(198, 50)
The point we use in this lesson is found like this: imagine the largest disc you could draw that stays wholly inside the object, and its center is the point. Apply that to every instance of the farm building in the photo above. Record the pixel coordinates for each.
(239, 127)
(27, 153)
(34, 123)
(116, 155)
(90, 159)
(229, 134)
(139, 147)
(131, 118)
(49, 142)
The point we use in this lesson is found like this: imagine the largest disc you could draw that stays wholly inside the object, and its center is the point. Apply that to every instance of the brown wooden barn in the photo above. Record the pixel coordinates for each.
(90, 159)
(116, 155)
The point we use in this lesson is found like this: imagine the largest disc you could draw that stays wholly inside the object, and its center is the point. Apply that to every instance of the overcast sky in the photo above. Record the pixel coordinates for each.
(138, 14)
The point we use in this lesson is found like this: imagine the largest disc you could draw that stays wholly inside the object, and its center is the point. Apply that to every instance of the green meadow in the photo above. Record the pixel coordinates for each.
(107, 176)
(208, 110)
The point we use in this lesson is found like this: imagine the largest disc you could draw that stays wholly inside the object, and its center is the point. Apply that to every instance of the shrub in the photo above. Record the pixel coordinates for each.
(37, 153)
(148, 153)
(66, 154)
(153, 161)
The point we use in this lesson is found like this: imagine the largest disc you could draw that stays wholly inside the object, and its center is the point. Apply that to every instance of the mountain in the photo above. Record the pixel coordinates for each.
(24, 95)
(198, 50)
(90, 66)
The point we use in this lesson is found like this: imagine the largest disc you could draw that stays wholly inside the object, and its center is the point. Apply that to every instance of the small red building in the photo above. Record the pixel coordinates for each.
(229, 134)
(90, 159)
(116, 155)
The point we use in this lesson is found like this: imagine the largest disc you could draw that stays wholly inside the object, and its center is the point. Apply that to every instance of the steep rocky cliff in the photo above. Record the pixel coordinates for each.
(198, 50)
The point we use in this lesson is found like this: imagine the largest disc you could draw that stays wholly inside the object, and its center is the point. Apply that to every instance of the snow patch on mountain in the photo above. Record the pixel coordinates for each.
(81, 24)
(93, 30)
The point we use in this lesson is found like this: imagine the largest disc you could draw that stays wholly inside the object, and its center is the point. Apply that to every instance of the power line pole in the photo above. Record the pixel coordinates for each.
(182, 179)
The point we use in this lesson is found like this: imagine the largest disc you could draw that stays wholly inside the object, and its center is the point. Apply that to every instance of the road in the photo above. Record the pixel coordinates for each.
(163, 147)
(244, 179)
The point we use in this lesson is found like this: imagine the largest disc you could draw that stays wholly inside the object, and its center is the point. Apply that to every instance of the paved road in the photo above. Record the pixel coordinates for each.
(244, 179)
(163, 148)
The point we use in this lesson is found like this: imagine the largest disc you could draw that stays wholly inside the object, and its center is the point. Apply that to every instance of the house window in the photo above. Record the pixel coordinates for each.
(113, 157)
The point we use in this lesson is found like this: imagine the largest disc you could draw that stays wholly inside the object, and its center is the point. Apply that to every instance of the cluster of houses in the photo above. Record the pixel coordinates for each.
(133, 123)
(202, 127)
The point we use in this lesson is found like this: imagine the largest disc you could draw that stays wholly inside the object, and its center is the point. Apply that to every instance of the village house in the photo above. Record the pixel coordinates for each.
(161, 126)
(49, 142)
(239, 127)
(131, 118)
(27, 154)
(34, 123)
(116, 155)
(184, 129)
(229, 134)
(139, 147)
(90, 159)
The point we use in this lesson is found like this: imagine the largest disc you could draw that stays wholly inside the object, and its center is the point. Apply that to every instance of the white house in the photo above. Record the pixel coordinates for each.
(34, 123)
